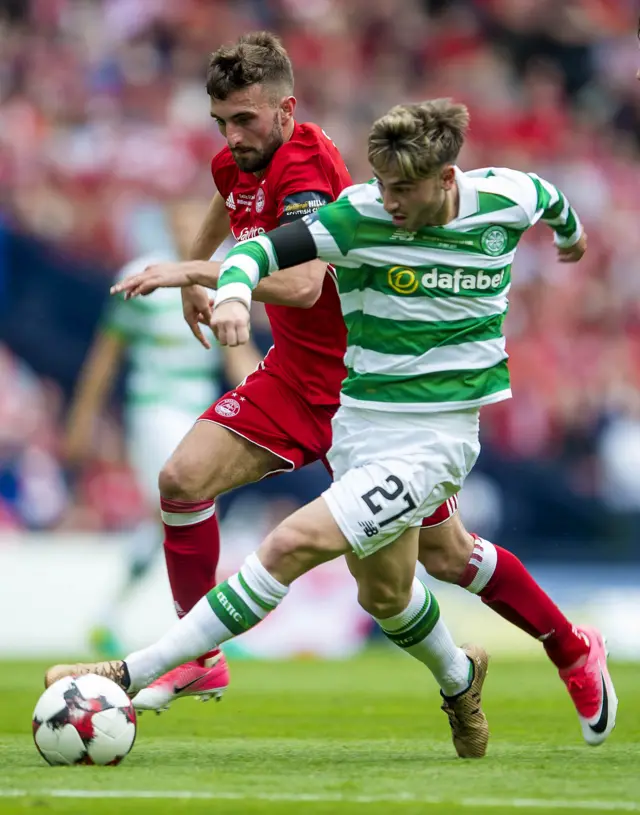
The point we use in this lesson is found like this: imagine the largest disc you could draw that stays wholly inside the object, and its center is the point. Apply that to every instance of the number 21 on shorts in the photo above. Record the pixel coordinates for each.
(394, 492)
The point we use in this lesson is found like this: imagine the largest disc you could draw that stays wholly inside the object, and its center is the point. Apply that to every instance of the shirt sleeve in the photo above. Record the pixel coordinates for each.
(536, 199)
(302, 189)
(223, 174)
(327, 234)
(554, 209)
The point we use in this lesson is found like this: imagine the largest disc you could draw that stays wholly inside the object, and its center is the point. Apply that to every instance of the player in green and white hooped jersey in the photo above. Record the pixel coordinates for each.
(423, 258)
(401, 444)
(170, 381)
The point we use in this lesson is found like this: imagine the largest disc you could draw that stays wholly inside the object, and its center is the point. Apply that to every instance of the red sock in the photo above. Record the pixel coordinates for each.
(507, 587)
(192, 551)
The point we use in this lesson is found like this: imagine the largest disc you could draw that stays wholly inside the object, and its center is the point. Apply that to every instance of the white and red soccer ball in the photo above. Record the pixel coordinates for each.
(84, 720)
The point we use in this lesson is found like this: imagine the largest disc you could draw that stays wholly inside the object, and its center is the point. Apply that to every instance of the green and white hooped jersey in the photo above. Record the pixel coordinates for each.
(424, 310)
(167, 365)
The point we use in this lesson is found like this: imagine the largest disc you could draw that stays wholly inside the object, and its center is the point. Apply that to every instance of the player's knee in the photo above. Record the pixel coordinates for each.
(445, 556)
(176, 483)
(288, 552)
(291, 550)
(382, 600)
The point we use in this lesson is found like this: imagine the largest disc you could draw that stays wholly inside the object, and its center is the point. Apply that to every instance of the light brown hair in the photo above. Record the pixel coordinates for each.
(415, 140)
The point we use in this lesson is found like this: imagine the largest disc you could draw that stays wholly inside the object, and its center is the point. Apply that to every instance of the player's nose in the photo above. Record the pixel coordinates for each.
(234, 138)
(388, 202)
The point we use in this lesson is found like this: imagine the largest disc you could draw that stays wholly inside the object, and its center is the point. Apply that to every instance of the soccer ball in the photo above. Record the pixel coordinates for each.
(84, 720)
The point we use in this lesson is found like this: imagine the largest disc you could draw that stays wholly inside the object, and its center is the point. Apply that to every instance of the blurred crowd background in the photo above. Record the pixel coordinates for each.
(104, 121)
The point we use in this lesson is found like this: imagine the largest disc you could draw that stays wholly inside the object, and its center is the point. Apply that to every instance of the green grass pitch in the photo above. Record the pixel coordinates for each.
(360, 736)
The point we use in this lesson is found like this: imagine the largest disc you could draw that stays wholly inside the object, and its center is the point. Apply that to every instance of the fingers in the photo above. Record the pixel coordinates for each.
(206, 315)
(231, 332)
(197, 333)
(125, 285)
(571, 255)
(135, 286)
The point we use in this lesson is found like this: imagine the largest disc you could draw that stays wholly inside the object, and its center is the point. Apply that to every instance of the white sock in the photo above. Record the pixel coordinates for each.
(229, 609)
(420, 631)
(481, 566)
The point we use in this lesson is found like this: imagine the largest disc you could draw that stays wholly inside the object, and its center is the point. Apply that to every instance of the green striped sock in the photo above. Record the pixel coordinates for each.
(245, 598)
(229, 609)
(420, 632)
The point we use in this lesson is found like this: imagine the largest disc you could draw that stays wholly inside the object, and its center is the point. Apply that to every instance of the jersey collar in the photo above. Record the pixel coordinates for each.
(467, 195)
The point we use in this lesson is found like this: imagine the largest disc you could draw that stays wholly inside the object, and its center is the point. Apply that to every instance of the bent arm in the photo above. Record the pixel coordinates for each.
(298, 286)
(249, 263)
(556, 211)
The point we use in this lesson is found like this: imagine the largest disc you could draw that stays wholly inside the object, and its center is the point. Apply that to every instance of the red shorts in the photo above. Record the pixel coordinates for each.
(266, 411)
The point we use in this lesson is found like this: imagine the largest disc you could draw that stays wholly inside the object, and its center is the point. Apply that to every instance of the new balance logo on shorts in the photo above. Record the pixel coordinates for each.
(369, 528)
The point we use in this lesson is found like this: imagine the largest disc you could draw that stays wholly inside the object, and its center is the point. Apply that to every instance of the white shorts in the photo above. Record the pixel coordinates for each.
(153, 433)
(391, 470)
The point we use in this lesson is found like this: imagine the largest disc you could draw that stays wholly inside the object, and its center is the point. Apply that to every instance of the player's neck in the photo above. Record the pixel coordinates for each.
(449, 209)
(287, 130)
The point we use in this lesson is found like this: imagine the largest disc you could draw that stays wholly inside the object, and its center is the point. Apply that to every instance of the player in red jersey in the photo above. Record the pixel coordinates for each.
(280, 416)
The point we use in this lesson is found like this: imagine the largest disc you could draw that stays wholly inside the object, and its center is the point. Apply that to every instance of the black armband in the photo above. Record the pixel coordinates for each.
(293, 244)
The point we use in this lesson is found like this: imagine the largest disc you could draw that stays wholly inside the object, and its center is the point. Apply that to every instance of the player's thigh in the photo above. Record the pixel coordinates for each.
(308, 537)
(211, 460)
(445, 549)
(385, 578)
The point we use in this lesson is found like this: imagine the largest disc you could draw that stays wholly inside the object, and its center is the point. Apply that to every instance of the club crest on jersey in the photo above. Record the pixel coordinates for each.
(494, 240)
(260, 200)
(228, 408)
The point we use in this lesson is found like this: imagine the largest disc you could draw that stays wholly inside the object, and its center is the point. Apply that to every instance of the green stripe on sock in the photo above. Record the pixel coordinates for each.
(421, 627)
(418, 616)
(231, 609)
(257, 600)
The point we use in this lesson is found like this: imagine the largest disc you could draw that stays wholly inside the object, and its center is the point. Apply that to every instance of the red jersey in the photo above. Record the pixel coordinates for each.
(304, 174)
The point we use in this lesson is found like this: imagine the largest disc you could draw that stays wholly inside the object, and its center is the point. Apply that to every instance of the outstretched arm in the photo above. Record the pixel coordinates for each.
(300, 286)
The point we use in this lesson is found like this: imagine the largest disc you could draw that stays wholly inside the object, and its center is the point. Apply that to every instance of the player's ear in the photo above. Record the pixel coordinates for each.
(448, 177)
(287, 109)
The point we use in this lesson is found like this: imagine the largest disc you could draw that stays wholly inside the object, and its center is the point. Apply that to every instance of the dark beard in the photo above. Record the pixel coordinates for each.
(256, 161)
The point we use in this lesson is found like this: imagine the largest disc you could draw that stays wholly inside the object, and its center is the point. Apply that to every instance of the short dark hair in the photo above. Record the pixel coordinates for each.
(258, 58)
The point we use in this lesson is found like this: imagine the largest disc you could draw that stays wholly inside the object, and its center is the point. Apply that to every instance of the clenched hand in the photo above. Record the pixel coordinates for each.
(572, 254)
(231, 323)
